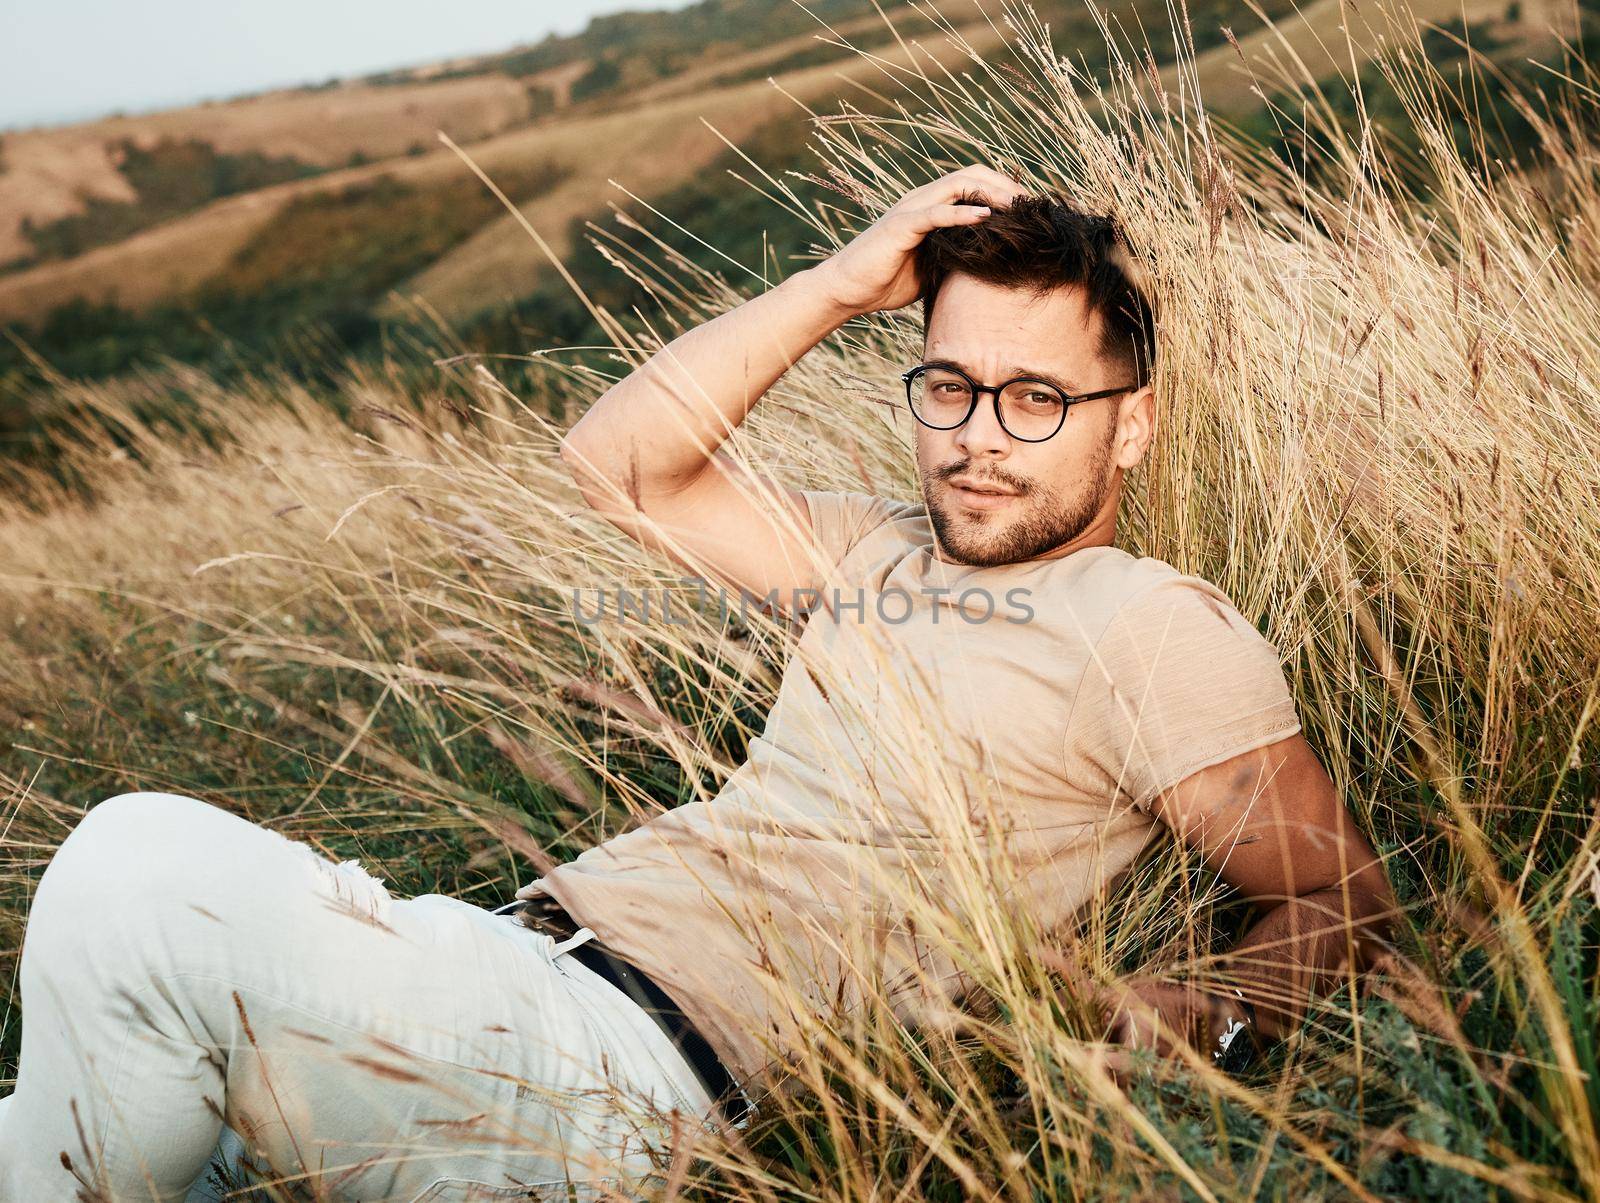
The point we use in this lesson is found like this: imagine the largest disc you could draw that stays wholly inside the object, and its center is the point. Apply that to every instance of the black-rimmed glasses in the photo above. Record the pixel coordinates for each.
(1031, 410)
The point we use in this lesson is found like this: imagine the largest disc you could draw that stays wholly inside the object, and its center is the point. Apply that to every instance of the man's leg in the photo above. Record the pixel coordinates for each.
(183, 967)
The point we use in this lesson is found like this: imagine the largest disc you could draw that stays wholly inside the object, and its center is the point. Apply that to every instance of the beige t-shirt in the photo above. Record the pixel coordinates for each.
(943, 735)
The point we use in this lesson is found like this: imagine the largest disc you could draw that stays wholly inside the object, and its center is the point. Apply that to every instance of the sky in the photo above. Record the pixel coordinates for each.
(71, 60)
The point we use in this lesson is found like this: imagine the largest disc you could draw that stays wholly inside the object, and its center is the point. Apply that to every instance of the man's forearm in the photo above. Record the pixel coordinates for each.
(1300, 949)
(657, 428)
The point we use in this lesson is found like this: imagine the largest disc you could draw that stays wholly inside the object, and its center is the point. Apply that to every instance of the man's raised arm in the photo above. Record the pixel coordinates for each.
(647, 454)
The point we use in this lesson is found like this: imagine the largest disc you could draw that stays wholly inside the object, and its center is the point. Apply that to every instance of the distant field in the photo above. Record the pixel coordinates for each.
(657, 145)
(70, 190)
(649, 137)
(49, 174)
(1311, 43)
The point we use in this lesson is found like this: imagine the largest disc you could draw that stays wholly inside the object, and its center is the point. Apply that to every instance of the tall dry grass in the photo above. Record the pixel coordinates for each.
(1377, 429)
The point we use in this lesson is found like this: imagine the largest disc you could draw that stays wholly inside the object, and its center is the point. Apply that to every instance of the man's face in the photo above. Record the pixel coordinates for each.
(1063, 492)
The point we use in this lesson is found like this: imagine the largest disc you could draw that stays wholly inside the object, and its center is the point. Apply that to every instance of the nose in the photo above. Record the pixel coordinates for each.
(982, 434)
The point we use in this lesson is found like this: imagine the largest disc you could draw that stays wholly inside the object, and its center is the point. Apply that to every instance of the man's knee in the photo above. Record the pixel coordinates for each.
(124, 853)
(143, 864)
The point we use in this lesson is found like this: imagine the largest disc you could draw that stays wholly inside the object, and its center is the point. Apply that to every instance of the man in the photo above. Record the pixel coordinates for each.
(991, 708)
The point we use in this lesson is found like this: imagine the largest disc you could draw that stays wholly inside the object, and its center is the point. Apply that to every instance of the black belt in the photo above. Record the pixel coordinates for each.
(543, 912)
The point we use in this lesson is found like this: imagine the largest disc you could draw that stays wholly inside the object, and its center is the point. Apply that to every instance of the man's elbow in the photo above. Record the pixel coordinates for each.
(1373, 913)
(586, 465)
(1361, 911)
(573, 458)
(573, 449)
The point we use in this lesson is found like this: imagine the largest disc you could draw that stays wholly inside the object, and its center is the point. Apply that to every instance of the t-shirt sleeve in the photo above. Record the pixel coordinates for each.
(1178, 681)
(840, 520)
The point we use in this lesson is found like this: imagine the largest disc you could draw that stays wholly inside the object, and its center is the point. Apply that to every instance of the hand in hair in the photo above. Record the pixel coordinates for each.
(876, 269)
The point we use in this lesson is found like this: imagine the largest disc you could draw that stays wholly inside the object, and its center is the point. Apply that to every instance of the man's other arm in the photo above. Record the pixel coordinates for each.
(1272, 824)
(1201, 732)
(648, 454)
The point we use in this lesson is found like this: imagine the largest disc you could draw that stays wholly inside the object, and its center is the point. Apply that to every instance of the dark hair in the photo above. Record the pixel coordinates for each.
(1041, 243)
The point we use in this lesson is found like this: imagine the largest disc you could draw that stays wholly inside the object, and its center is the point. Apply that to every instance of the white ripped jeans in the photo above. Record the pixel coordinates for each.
(190, 979)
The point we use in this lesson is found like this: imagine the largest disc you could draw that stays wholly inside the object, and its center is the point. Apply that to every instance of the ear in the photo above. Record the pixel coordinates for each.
(1136, 425)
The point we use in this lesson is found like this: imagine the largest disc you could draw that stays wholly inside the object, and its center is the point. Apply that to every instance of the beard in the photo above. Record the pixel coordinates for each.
(1046, 518)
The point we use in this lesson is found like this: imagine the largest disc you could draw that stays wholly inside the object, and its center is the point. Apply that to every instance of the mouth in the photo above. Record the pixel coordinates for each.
(980, 495)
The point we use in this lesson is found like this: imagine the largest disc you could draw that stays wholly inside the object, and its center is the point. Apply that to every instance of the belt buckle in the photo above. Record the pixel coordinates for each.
(737, 1108)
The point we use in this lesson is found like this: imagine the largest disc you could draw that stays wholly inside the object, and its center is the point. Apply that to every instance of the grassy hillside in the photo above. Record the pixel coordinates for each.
(168, 179)
(135, 176)
(77, 186)
(137, 180)
(52, 175)
(110, 292)
(658, 136)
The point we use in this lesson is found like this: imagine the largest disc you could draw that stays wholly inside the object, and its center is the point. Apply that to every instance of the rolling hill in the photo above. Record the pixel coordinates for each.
(338, 204)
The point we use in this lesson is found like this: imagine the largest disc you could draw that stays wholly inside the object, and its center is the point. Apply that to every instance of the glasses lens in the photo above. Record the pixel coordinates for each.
(1031, 409)
(940, 397)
